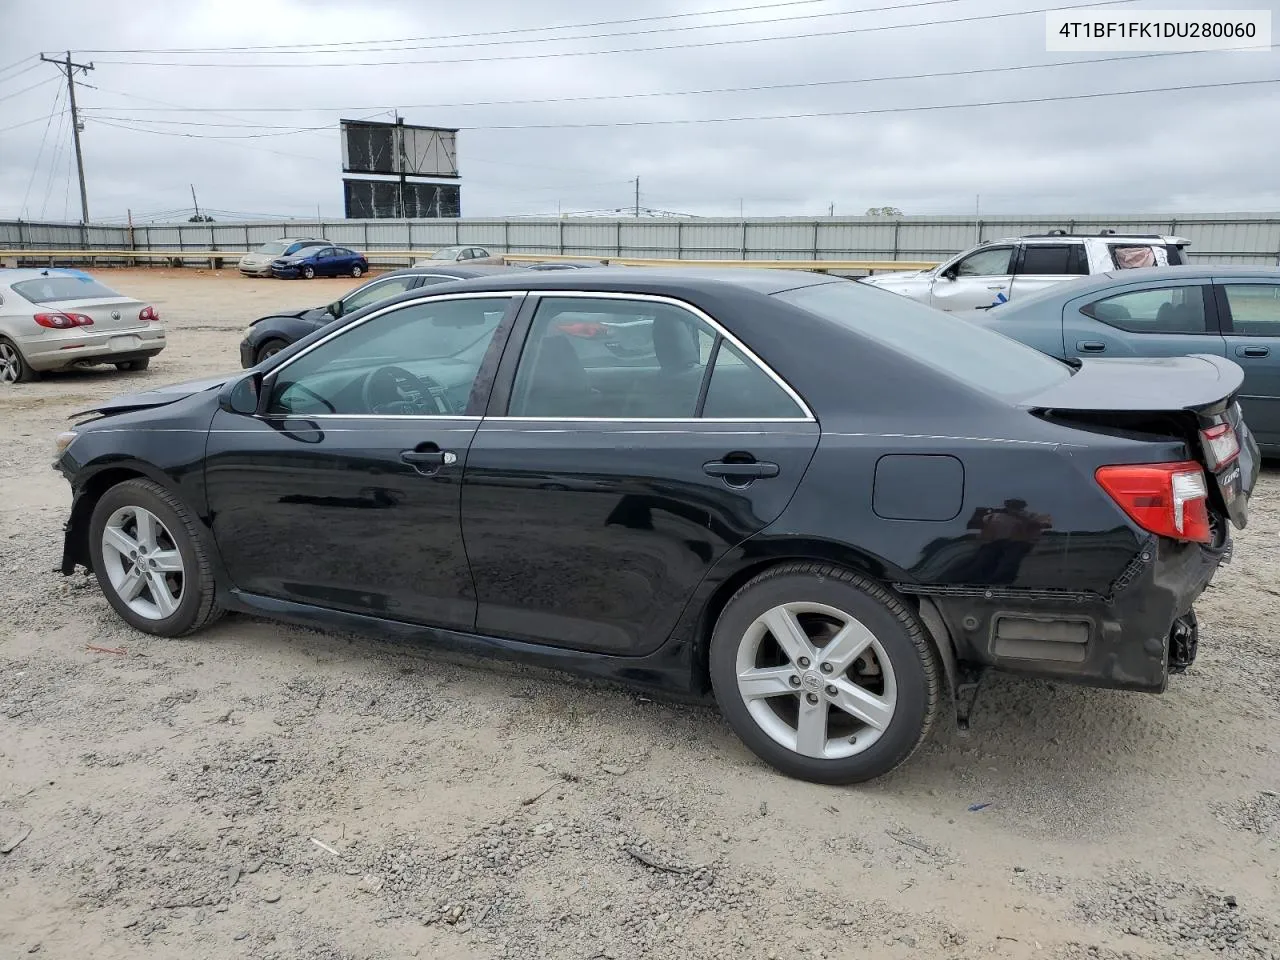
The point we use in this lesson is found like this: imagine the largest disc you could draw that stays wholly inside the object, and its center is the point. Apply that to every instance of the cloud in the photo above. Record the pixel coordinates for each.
(1184, 151)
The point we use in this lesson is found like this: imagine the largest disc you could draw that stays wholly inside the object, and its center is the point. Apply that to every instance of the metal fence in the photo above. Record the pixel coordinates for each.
(1220, 238)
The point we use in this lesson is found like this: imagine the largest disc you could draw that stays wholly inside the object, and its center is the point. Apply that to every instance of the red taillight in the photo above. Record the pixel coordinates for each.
(148, 315)
(1167, 499)
(63, 321)
(1220, 444)
(584, 328)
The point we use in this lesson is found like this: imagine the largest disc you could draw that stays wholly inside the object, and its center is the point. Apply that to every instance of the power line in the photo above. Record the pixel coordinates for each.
(53, 165)
(755, 88)
(632, 33)
(34, 86)
(35, 167)
(591, 53)
(459, 36)
(14, 76)
(25, 123)
(690, 121)
(282, 130)
(233, 143)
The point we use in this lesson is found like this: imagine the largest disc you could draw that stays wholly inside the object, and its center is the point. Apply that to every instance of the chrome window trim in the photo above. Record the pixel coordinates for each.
(747, 352)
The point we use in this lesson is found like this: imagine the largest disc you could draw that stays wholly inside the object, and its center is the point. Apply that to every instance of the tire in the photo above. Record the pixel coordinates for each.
(269, 348)
(357, 271)
(820, 599)
(176, 541)
(308, 272)
(13, 365)
(134, 365)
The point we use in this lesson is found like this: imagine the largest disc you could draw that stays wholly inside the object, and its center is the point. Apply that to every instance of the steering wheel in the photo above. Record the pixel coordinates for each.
(395, 390)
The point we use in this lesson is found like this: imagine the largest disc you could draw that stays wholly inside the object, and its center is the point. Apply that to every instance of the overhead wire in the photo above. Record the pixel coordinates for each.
(34, 86)
(35, 167)
(702, 44)
(914, 4)
(710, 91)
(458, 36)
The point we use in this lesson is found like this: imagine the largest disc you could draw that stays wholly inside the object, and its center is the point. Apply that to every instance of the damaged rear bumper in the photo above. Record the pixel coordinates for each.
(1131, 638)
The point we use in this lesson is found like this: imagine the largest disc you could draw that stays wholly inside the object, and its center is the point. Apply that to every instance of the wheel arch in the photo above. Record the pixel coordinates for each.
(75, 548)
(820, 552)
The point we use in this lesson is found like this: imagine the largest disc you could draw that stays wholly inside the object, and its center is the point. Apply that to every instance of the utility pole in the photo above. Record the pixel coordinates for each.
(195, 203)
(69, 69)
(637, 197)
(831, 210)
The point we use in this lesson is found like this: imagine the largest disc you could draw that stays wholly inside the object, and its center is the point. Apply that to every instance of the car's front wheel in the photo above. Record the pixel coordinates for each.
(824, 674)
(269, 348)
(308, 273)
(357, 271)
(13, 365)
(151, 560)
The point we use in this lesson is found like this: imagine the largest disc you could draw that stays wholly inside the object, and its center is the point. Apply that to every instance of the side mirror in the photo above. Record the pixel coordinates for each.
(949, 274)
(241, 396)
(335, 309)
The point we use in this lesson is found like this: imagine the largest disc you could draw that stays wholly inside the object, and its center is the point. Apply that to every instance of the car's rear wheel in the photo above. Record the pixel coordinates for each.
(13, 366)
(824, 674)
(308, 272)
(134, 365)
(357, 271)
(269, 348)
(151, 560)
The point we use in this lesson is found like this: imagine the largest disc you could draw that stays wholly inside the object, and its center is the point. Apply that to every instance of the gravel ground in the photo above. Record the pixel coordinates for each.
(265, 791)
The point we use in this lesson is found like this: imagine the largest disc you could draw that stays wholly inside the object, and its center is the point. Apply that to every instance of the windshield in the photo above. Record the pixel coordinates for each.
(274, 248)
(51, 289)
(448, 253)
(981, 358)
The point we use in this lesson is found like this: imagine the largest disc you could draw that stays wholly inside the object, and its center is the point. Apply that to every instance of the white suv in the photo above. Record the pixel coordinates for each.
(997, 271)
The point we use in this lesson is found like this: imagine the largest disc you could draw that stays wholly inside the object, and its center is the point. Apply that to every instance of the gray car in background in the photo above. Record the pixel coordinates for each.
(258, 263)
(1227, 311)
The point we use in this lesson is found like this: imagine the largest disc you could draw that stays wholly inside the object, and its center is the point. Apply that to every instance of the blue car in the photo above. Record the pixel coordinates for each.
(320, 262)
(1226, 311)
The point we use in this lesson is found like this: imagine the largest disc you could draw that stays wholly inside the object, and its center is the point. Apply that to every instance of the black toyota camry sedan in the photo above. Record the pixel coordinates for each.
(826, 505)
(268, 335)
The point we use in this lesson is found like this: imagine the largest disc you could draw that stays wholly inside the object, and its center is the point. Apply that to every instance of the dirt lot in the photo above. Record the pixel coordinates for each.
(269, 792)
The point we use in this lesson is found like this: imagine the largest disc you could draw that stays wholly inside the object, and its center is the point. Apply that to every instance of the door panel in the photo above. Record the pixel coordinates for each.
(325, 511)
(594, 535)
(1251, 312)
(629, 447)
(1041, 265)
(1169, 319)
(978, 280)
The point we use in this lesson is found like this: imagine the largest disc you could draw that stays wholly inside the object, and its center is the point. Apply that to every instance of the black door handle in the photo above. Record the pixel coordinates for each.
(1090, 346)
(1253, 352)
(740, 472)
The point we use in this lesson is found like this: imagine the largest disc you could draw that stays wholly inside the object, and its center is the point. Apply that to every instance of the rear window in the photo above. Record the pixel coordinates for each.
(52, 289)
(989, 361)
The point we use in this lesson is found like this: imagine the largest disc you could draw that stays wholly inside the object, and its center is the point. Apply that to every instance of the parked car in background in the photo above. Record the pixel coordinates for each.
(1227, 311)
(823, 503)
(324, 261)
(258, 263)
(1001, 270)
(52, 319)
(268, 335)
(460, 254)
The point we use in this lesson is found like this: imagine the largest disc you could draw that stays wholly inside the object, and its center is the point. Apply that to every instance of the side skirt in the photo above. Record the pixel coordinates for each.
(668, 670)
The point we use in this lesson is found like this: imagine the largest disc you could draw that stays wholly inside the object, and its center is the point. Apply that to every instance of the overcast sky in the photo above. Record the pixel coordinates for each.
(1211, 150)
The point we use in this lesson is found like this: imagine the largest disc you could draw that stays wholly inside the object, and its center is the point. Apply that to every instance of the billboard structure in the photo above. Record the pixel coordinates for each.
(385, 156)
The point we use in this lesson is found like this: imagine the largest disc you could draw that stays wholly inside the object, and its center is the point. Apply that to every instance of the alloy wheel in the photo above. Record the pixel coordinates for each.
(816, 680)
(142, 562)
(10, 364)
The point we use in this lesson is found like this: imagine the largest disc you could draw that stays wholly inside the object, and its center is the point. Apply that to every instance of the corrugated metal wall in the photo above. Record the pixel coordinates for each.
(1223, 238)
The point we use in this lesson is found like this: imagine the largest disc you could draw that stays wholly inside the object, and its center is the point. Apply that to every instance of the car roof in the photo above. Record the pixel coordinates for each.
(673, 281)
(464, 271)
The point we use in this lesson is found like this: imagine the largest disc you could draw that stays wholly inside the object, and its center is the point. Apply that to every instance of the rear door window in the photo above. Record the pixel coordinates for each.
(1255, 308)
(1043, 259)
(1159, 310)
(52, 289)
